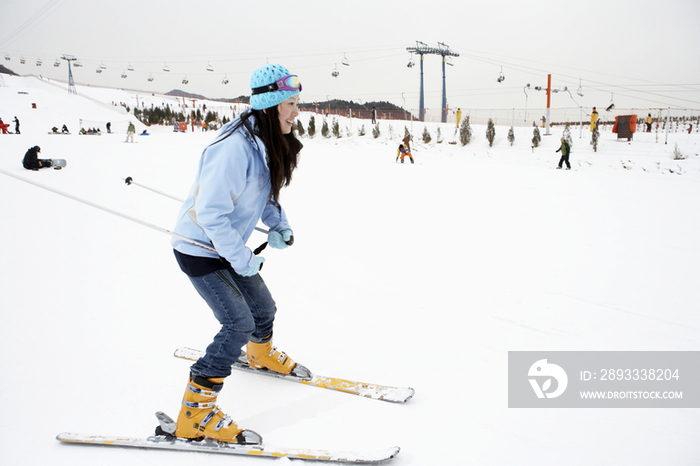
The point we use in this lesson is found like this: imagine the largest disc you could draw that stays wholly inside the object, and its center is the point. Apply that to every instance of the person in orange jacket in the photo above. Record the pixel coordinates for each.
(404, 150)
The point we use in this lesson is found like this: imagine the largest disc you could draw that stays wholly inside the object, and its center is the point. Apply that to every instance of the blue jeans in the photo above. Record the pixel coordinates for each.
(246, 311)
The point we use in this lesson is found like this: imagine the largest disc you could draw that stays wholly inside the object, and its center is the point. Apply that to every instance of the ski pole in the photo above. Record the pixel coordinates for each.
(129, 181)
(114, 212)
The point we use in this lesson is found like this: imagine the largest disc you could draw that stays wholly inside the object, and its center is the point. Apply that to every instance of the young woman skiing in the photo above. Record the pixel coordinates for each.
(238, 182)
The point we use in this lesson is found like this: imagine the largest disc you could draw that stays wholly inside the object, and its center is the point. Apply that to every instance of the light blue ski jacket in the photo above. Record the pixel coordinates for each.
(230, 194)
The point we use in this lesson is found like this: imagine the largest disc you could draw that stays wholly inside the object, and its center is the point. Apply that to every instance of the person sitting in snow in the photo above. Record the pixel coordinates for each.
(65, 130)
(33, 162)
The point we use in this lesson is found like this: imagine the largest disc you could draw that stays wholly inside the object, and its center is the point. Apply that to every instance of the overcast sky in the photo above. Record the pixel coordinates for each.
(639, 54)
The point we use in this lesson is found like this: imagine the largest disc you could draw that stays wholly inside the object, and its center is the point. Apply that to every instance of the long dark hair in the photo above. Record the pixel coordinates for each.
(282, 149)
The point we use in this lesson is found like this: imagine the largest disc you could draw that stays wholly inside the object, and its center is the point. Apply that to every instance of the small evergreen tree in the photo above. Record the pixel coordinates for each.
(324, 128)
(536, 138)
(300, 128)
(465, 132)
(336, 129)
(567, 135)
(490, 132)
(511, 136)
(439, 136)
(375, 131)
(426, 135)
(594, 139)
(312, 126)
(362, 131)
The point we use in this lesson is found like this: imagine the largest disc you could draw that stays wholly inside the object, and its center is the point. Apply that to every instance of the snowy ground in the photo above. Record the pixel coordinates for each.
(420, 275)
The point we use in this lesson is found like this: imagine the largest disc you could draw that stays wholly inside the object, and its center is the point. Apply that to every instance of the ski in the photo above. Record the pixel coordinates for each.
(367, 390)
(164, 442)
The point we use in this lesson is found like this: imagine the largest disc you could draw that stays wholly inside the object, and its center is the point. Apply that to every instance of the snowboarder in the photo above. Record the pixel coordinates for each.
(238, 183)
(404, 150)
(130, 132)
(565, 149)
(33, 162)
(16, 122)
(594, 119)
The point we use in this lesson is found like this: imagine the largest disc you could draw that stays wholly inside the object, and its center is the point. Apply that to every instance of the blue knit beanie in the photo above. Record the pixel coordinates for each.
(263, 76)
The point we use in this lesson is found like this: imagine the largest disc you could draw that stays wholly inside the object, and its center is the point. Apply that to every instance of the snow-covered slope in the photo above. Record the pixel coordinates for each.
(421, 275)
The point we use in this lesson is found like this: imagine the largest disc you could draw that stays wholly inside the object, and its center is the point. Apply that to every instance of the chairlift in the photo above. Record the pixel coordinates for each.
(98, 70)
(7, 57)
(612, 104)
(123, 74)
(165, 68)
(56, 64)
(130, 68)
(225, 80)
(501, 76)
(411, 63)
(185, 80)
(580, 89)
(209, 67)
(150, 78)
(345, 60)
(78, 64)
(38, 62)
(448, 61)
(22, 61)
(335, 72)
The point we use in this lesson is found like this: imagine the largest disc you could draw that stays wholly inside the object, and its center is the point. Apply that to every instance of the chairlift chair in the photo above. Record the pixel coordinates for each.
(335, 72)
(22, 61)
(38, 62)
(165, 68)
(98, 70)
(150, 78)
(209, 67)
(7, 57)
(501, 76)
(225, 80)
(185, 80)
(345, 61)
(56, 64)
(78, 64)
(123, 74)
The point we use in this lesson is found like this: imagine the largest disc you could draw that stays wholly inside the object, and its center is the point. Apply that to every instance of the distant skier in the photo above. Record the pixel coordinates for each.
(594, 119)
(16, 122)
(374, 116)
(130, 132)
(565, 149)
(459, 116)
(33, 162)
(109, 127)
(649, 120)
(404, 150)
(65, 130)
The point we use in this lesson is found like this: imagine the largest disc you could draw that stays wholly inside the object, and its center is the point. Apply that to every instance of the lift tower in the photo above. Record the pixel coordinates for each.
(71, 82)
(443, 50)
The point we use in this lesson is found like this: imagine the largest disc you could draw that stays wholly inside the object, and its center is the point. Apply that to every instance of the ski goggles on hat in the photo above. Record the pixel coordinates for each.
(288, 83)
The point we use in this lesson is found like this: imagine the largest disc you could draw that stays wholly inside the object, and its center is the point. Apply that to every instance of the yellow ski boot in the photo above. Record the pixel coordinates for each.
(266, 356)
(200, 417)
